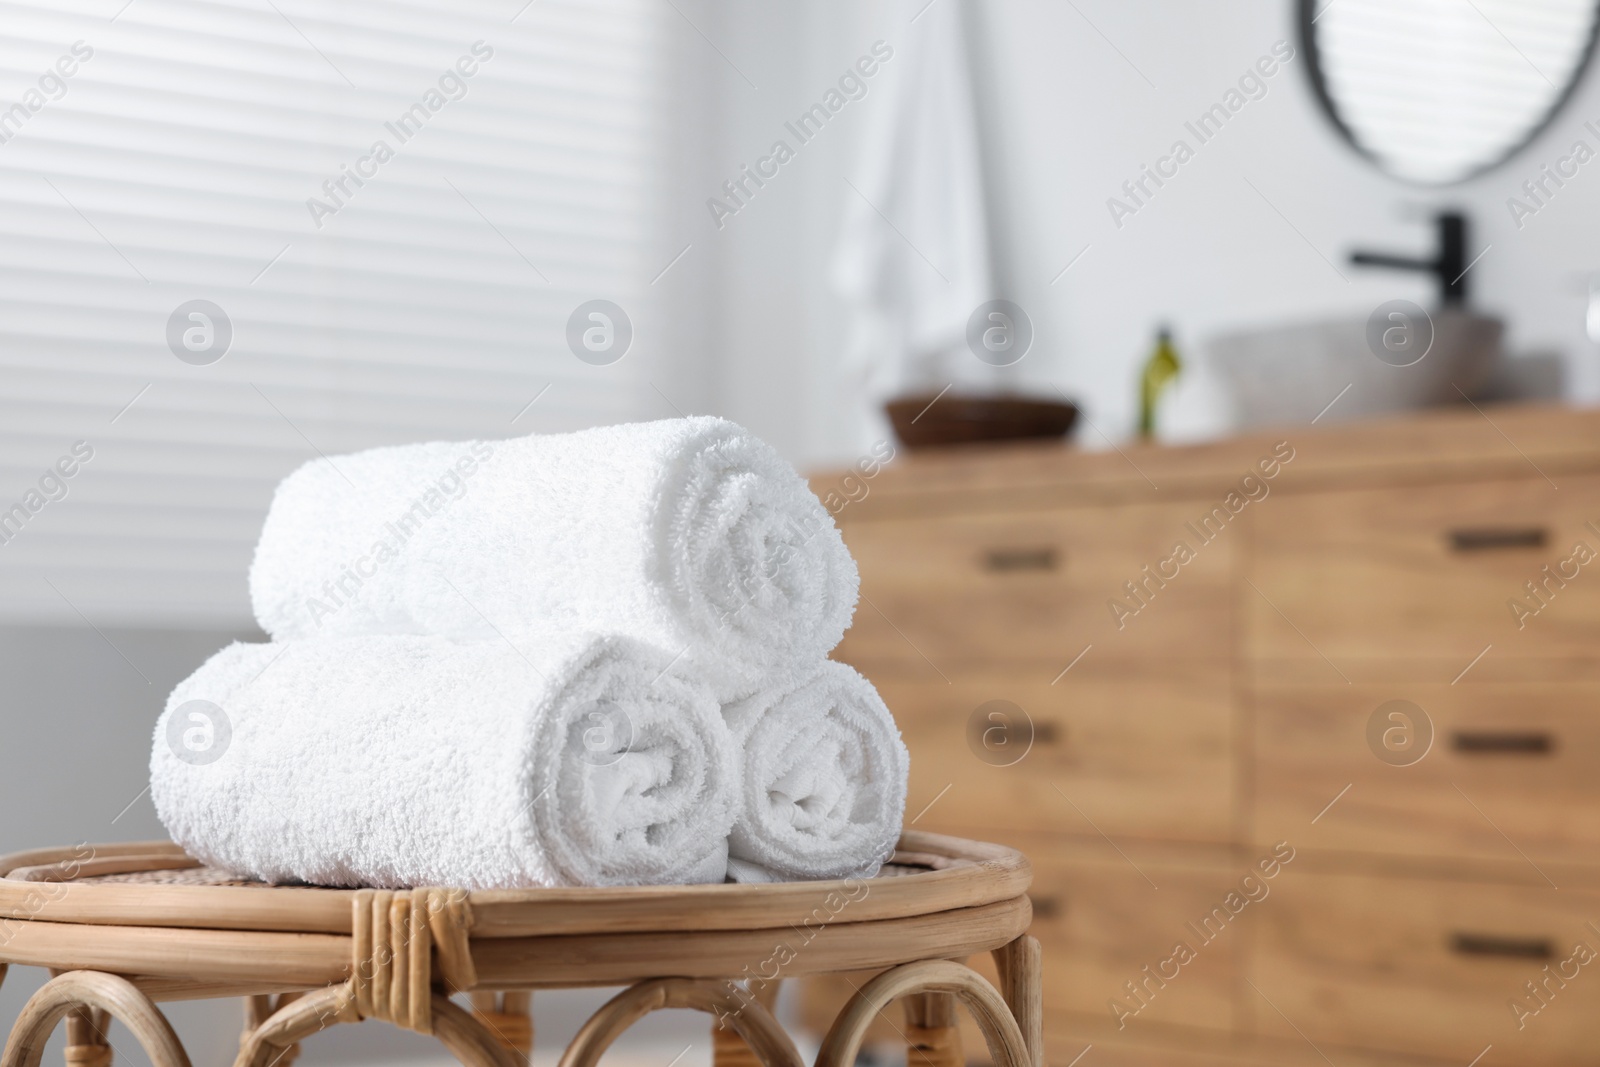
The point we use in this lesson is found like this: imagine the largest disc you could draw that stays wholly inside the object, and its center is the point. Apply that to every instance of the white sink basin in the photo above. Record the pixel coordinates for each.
(1288, 374)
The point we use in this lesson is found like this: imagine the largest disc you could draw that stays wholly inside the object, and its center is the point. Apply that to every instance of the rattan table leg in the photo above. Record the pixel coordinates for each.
(468, 1040)
(257, 1010)
(989, 1010)
(733, 1008)
(728, 1048)
(509, 1016)
(87, 1044)
(1020, 964)
(267, 1041)
(72, 992)
(932, 1037)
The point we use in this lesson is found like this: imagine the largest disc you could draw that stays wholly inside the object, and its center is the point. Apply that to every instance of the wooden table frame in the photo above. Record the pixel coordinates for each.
(118, 944)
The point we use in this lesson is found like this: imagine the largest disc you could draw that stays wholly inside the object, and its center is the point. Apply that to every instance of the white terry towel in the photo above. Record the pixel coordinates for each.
(919, 162)
(823, 787)
(408, 761)
(690, 534)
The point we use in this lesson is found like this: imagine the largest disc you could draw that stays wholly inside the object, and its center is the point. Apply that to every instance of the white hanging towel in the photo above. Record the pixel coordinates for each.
(912, 282)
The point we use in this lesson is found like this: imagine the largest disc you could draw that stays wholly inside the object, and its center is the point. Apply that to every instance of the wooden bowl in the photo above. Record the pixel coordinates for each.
(926, 422)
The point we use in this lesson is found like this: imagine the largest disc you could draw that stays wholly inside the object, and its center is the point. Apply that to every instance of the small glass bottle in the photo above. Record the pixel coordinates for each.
(1159, 371)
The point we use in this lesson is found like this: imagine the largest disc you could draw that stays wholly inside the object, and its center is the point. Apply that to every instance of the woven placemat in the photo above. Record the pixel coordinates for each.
(174, 876)
(217, 876)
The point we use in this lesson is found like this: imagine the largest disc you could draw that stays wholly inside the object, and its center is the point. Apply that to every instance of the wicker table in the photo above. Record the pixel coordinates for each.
(125, 927)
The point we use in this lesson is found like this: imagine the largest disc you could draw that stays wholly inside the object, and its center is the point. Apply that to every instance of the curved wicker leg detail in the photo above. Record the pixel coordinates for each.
(466, 1038)
(728, 1049)
(97, 992)
(747, 1018)
(300, 1018)
(469, 1040)
(988, 1008)
(257, 1010)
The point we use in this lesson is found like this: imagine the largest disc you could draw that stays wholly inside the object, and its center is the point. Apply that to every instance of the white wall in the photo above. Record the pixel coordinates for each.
(1070, 116)
(78, 711)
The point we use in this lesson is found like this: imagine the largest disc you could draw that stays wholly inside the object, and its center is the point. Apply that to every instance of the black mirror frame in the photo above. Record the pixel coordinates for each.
(1306, 13)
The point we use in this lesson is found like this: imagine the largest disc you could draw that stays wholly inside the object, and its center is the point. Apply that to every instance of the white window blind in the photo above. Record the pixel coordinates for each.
(175, 164)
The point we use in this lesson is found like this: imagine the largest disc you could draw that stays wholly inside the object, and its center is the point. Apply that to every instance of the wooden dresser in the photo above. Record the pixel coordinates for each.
(1302, 785)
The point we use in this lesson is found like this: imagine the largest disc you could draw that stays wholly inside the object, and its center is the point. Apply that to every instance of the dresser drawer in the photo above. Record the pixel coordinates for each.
(1427, 572)
(1429, 967)
(1511, 769)
(1103, 916)
(949, 593)
(1198, 1048)
(1100, 922)
(1144, 759)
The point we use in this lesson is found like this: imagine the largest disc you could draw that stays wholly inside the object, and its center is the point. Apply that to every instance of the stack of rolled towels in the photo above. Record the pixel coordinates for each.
(584, 659)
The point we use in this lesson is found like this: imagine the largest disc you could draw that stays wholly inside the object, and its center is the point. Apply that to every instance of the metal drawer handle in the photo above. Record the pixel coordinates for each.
(1477, 539)
(1021, 559)
(1046, 907)
(1502, 743)
(1521, 948)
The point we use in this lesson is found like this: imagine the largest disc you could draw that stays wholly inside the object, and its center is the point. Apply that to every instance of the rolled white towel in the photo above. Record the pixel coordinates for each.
(690, 534)
(823, 787)
(407, 761)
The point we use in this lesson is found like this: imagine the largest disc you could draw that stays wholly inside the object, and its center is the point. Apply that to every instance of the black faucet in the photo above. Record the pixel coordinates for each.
(1449, 267)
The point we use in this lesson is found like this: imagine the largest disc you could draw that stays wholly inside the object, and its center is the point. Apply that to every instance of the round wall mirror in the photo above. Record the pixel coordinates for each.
(1435, 91)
